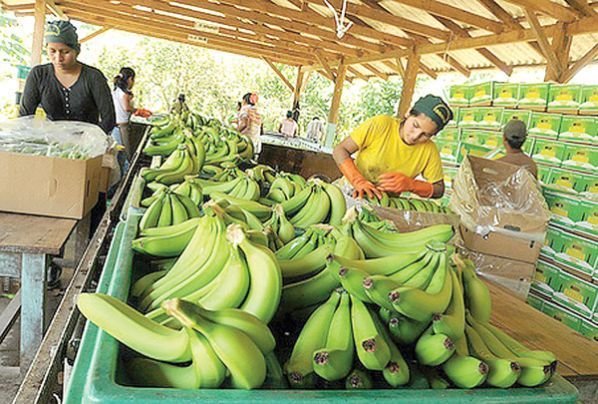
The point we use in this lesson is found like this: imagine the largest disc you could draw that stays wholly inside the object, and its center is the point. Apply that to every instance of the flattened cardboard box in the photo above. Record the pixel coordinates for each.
(48, 186)
(500, 245)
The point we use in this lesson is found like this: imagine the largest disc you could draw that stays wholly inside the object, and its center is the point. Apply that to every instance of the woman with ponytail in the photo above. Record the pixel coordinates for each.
(123, 105)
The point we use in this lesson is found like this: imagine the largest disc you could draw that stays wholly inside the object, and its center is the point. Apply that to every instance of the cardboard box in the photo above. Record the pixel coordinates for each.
(482, 137)
(459, 95)
(565, 208)
(576, 294)
(533, 96)
(449, 174)
(520, 114)
(545, 125)
(579, 253)
(48, 186)
(466, 117)
(553, 243)
(469, 149)
(564, 98)
(482, 94)
(500, 245)
(582, 158)
(546, 278)
(505, 95)
(588, 217)
(480, 117)
(543, 173)
(578, 129)
(449, 135)
(448, 150)
(588, 100)
(562, 314)
(589, 329)
(586, 185)
(549, 152)
(535, 301)
(512, 274)
(561, 180)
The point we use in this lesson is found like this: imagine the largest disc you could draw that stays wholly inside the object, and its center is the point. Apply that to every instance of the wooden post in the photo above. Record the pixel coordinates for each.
(336, 102)
(561, 46)
(409, 84)
(38, 32)
(298, 87)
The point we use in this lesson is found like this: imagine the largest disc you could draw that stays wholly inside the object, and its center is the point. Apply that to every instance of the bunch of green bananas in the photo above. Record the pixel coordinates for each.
(217, 343)
(164, 145)
(317, 202)
(241, 187)
(281, 230)
(167, 208)
(263, 174)
(225, 146)
(285, 186)
(167, 241)
(182, 162)
(408, 204)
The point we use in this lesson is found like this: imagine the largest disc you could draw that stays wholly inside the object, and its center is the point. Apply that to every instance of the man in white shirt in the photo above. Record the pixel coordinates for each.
(315, 130)
(288, 127)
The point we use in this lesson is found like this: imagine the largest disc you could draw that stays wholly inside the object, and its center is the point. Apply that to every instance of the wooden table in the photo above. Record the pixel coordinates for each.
(578, 356)
(26, 244)
(304, 162)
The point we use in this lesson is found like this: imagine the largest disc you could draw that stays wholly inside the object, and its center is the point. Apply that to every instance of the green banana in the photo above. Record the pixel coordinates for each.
(433, 349)
(358, 380)
(372, 349)
(465, 372)
(452, 322)
(404, 330)
(477, 295)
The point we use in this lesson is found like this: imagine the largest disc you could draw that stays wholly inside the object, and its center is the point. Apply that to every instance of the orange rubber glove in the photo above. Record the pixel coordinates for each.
(397, 183)
(361, 185)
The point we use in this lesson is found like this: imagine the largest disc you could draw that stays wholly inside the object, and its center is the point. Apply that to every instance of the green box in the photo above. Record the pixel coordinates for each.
(578, 253)
(480, 117)
(563, 315)
(589, 329)
(466, 149)
(588, 100)
(466, 117)
(588, 216)
(481, 137)
(449, 175)
(578, 129)
(582, 158)
(449, 135)
(565, 208)
(545, 278)
(587, 185)
(549, 152)
(520, 114)
(535, 301)
(562, 180)
(543, 173)
(459, 95)
(482, 94)
(564, 98)
(448, 150)
(553, 242)
(545, 125)
(576, 294)
(533, 96)
(505, 95)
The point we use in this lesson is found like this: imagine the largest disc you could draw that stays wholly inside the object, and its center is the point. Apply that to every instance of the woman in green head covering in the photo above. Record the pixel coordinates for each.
(392, 152)
(65, 88)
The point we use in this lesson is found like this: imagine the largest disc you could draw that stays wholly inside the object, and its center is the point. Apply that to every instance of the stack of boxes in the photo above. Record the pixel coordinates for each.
(563, 140)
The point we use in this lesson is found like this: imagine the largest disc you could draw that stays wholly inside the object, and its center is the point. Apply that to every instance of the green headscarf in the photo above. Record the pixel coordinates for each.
(62, 32)
(435, 109)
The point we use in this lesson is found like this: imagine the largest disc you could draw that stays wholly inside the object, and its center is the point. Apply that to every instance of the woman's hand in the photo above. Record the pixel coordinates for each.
(398, 183)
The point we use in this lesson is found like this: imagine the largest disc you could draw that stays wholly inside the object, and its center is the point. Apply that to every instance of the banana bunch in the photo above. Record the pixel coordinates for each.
(183, 161)
(263, 174)
(407, 204)
(367, 215)
(190, 188)
(241, 187)
(257, 209)
(167, 208)
(230, 149)
(318, 202)
(284, 186)
(166, 241)
(223, 173)
(282, 231)
(164, 145)
(217, 343)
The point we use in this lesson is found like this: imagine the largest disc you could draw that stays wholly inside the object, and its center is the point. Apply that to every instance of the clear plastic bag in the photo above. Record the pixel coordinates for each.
(65, 139)
(499, 197)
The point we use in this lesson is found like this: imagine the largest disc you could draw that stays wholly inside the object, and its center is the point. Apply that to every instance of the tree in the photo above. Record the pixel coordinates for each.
(12, 48)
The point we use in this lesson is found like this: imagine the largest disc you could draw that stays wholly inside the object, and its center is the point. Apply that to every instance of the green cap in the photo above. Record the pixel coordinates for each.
(515, 130)
(435, 109)
(62, 32)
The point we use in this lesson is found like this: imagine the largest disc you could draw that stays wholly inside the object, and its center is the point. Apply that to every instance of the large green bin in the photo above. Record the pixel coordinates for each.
(94, 376)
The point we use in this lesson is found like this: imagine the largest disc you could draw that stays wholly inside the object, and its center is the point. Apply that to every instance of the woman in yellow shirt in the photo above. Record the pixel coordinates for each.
(393, 152)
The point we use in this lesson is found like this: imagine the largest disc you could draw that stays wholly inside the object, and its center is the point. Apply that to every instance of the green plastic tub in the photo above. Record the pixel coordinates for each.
(96, 373)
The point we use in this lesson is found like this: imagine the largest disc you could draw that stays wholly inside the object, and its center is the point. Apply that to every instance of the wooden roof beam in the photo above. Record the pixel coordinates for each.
(543, 41)
(456, 65)
(547, 7)
(500, 13)
(97, 32)
(580, 64)
(54, 9)
(388, 18)
(376, 72)
(439, 9)
(357, 73)
(425, 69)
(582, 8)
(325, 64)
(279, 74)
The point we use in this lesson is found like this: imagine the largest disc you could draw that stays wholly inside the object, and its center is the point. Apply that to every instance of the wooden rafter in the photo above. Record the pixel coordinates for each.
(408, 84)
(279, 74)
(392, 65)
(427, 70)
(561, 46)
(57, 11)
(580, 64)
(95, 33)
(388, 18)
(439, 9)
(325, 65)
(456, 65)
(582, 8)
(500, 13)
(376, 72)
(357, 73)
(400, 68)
(547, 7)
(543, 41)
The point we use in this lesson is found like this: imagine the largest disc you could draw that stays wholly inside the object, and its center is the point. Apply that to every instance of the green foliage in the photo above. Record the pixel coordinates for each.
(12, 48)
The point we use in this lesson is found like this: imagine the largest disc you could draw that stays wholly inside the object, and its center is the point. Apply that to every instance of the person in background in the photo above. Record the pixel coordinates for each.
(179, 105)
(392, 152)
(234, 118)
(250, 120)
(65, 88)
(514, 136)
(288, 126)
(315, 130)
(123, 104)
